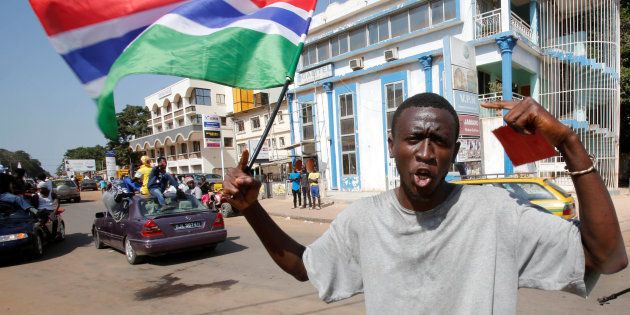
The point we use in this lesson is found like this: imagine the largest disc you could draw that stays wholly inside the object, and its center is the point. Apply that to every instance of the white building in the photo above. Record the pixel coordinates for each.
(176, 127)
(362, 58)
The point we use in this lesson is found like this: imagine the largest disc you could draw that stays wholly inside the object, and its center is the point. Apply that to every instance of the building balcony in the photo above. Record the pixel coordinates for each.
(489, 23)
(190, 109)
(184, 131)
(179, 112)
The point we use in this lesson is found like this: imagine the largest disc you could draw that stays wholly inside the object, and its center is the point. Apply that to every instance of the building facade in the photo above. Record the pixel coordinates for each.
(176, 127)
(363, 58)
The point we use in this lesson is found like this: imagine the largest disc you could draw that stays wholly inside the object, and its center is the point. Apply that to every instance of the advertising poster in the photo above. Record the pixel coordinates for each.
(469, 125)
(110, 164)
(211, 131)
(469, 150)
(461, 72)
(80, 165)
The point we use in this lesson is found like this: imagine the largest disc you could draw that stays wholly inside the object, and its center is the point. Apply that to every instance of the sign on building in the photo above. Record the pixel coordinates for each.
(461, 67)
(264, 151)
(81, 165)
(313, 75)
(211, 131)
(469, 126)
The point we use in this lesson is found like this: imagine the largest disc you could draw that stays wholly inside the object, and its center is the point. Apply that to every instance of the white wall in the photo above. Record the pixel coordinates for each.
(493, 157)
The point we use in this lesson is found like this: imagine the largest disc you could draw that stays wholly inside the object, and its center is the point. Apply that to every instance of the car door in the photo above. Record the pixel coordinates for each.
(105, 228)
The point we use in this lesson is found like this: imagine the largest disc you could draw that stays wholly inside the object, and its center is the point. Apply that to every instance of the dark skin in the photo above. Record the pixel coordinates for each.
(424, 146)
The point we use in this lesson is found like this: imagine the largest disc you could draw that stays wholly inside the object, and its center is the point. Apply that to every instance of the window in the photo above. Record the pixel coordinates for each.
(343, 43)
(383, 29)
(437, 12)
(221, 99)
(399, 24)
(178, 103)
(180, 122)
(169, 108)
(419, 17)
(255, 121)
(171, 150)
(223, 121)
(152, 153)
(266, 118)
(308, 132)
(157, 112)
(372, 33)
(169, 126)
(240, 126)
(200, 96)
(241, 147)
(184, 148)
(196, 146)
(280, 118)
(228, 142)
(312, 55)
(357, 39)
(161, 151)
(322, 51)
(348, 145)
(449, 9)
(159, 128)
(393, 98)
(281, 141)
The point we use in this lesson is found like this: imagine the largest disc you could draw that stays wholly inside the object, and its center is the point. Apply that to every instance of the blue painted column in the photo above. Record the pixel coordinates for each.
(533, 20)
(427, 62)
(328, 88)
(506, 44)
(290, 97)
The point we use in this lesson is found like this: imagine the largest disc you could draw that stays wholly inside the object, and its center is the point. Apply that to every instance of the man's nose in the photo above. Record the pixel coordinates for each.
(425, 150)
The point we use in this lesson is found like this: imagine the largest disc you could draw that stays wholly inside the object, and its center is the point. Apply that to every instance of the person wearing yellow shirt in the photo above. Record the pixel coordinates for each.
(145, 169)
(313, 179)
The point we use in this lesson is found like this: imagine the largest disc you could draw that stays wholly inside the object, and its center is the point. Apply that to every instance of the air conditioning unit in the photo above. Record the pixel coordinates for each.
(356, 64)
(391, 54)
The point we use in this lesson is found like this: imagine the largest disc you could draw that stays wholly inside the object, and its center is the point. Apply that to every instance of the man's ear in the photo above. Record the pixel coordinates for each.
(457, 145)
(390, 144)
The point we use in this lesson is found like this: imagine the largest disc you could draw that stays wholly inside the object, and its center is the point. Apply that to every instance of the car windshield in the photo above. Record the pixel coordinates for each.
(213, 176)
(149, 207)
(528, 191)
(558, 188)
(8, 212)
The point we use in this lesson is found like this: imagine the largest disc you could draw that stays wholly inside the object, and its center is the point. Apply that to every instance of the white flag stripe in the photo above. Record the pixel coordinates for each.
(186, 26)
(94, 87)
(95, 33)
(247, 7)
(289, 7)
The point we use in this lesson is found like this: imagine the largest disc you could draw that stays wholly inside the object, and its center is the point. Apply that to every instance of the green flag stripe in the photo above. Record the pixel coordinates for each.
(235, 57)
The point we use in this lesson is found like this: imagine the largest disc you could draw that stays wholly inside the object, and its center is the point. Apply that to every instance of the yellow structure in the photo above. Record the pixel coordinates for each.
(243, 99)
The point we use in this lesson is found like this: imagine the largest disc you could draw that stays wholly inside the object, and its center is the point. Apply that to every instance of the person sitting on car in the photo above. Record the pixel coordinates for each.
(134, 184)
(160, 180)
(193, 189)
(48, 204)
(7, 196)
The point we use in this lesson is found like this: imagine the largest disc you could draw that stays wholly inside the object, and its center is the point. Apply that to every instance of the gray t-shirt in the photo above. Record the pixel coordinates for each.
(468, 255)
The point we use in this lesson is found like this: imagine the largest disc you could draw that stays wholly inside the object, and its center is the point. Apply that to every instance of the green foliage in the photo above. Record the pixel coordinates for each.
(624, 134)
(132, 122)
(32, 166)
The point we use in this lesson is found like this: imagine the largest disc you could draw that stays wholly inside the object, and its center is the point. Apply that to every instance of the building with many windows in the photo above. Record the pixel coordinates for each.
(363, 58)
(176, 130)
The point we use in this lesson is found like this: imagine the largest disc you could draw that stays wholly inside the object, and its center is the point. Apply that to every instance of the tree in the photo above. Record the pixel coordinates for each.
(624, 128)
(11, 159)
(132, 123)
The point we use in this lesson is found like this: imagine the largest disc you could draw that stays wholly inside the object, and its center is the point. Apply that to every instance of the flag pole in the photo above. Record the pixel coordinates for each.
(269, 124)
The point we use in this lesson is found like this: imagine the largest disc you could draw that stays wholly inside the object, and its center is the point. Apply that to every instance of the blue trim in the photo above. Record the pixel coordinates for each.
(386, 79)
(447, 92)
(506, 45)
(441, 76)
(346, 181)
(290, 97)
(427, 66)
(457, 9)
(331, 132)
(378, 68)
(305, 98)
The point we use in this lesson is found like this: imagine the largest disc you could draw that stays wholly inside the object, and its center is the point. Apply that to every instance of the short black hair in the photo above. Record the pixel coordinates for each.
(161, 158)
(41, 176)
(5, 183)
(426, 100)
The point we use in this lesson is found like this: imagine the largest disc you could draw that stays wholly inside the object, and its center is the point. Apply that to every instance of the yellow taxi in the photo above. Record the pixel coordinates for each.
(539, 191)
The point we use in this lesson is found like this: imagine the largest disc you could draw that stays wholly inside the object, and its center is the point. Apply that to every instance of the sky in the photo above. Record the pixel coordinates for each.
(44, 110)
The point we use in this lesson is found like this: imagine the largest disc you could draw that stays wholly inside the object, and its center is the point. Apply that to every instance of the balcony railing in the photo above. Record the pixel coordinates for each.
(194, 155)
(190, 109)
(179, 112)
(489, 23)
(494, 97)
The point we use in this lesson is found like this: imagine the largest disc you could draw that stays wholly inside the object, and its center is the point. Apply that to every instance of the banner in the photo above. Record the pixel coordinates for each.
(110, 164)
(211, 131)
(80, 165)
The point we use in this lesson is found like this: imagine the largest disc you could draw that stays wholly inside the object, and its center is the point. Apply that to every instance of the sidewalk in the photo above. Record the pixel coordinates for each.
(335, 201)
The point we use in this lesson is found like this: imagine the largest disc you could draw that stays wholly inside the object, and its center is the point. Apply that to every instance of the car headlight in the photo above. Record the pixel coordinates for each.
(13, 237)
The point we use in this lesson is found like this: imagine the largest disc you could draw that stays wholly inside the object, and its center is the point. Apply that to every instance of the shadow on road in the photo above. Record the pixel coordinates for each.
(52, 250)
(166, 287)
(224, 248)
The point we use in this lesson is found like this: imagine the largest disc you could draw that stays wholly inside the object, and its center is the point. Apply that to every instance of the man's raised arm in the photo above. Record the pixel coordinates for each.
(243, 189)
(604, 249)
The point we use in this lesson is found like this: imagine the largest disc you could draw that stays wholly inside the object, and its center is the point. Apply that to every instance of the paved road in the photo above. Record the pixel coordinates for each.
(238, 278)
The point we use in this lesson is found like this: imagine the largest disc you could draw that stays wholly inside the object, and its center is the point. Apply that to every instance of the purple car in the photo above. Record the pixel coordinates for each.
(144, 228)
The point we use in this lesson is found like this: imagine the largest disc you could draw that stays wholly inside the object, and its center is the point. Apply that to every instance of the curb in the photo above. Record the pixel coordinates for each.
(297, 217)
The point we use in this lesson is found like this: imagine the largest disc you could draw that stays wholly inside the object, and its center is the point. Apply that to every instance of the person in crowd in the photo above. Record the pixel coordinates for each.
(7, 196)
(42, 178)
(48, 204)
(306, 190)
(160, 180)
(193, 189)
(145, 169)
(102, 185)
(313, 179)
(294, 177)
(19, 184)
(133, 184)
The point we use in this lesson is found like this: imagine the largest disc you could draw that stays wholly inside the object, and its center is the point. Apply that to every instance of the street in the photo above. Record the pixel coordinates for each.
(73, 277)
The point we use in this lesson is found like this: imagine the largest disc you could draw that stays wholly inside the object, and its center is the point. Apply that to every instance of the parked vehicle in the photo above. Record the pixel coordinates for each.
(147, 229)
(66, 190)
(539, 191)
(89, 184)
(22, 232)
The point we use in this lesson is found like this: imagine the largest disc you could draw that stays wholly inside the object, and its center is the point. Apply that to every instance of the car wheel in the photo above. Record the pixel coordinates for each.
(130, 253)
(38, 246)
(97, 240)
(226, 210)
(61, 232)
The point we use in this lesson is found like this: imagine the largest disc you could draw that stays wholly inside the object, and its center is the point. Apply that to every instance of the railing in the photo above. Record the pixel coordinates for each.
(519, 25)
(182, 156)
(179, 112)
(190, 109)
(195, 155)
(169, 116)
(488, 23)
(494, 97)
(170, 158)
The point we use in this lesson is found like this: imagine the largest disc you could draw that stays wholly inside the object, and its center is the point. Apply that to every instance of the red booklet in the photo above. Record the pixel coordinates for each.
(523, 148)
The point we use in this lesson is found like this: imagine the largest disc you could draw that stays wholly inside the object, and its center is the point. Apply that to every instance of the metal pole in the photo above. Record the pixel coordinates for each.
(252, 158)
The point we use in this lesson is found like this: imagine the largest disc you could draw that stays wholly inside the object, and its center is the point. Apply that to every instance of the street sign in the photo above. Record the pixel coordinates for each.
(211, 131)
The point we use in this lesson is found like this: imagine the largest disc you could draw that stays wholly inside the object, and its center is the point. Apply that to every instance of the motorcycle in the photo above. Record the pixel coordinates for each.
(218, 202)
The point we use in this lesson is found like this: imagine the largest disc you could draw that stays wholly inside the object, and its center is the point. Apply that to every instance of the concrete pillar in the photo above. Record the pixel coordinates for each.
(505, 15)
(506, 44)
(290, 97)
(427, 63)
(328, 88)
(533, 20)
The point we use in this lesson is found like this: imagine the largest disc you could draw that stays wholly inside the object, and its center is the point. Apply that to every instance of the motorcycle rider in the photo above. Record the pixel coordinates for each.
(48, 205)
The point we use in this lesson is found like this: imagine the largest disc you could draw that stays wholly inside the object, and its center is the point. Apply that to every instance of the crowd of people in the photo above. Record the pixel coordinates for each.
(305, 187)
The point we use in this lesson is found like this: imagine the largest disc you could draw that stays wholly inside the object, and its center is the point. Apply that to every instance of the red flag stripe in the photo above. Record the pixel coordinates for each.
(306, 5)
(59, 16)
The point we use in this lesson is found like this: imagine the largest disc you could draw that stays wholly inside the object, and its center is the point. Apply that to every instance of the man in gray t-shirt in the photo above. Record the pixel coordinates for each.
(434, 247)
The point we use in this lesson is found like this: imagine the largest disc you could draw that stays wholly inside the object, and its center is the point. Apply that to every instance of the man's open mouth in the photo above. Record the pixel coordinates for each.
(422, 178)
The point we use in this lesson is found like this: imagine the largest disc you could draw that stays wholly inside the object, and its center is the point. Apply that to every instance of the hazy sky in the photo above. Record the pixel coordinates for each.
(44, 110)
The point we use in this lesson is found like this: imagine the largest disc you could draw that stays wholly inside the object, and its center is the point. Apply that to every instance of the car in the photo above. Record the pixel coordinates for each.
(22, 232)
(89, 184)
(210, 178)
(66, 190)
(539, 191)
(144, 228)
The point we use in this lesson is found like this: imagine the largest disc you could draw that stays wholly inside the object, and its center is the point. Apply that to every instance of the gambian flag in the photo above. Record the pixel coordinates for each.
(251, 44)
